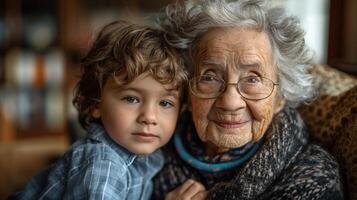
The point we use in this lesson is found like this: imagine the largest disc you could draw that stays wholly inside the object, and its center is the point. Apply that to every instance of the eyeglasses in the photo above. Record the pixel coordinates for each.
(250, 87)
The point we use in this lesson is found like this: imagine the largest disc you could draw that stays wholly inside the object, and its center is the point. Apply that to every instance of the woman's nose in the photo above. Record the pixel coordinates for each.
(230, 99)
(147, 115)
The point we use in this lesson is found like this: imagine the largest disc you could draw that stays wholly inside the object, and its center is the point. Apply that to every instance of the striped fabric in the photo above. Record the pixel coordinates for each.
(95, 168)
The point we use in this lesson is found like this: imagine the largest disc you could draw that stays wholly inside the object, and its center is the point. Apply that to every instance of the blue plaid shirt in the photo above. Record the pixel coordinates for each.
(95, 168)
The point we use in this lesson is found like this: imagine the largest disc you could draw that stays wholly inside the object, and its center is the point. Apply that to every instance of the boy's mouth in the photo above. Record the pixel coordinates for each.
(145, 137)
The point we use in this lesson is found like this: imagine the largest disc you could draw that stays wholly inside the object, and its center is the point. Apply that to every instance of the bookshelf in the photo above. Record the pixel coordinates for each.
(32, 71)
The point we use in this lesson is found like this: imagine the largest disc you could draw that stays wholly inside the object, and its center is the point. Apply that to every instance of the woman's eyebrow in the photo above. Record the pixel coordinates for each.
(213, 62)
(251, 65)
(250, 60)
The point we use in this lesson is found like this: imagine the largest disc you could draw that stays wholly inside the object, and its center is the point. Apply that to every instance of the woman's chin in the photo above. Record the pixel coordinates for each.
(231, 141)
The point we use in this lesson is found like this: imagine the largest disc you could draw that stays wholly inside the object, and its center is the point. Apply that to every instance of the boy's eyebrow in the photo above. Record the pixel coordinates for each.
(174, 92)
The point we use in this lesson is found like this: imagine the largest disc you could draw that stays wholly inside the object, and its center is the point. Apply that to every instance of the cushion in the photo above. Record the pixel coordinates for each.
(332, 118)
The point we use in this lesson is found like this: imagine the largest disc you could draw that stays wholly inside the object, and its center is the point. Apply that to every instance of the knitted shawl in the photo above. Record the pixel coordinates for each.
(286, 166)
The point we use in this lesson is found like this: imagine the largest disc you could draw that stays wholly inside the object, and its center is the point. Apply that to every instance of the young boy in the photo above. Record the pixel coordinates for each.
(128, 99)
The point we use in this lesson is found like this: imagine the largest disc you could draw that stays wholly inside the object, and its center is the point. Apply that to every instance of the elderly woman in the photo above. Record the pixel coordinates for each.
(241, 137)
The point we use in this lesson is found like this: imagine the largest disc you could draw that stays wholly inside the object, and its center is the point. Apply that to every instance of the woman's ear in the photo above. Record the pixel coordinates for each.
(279, 103)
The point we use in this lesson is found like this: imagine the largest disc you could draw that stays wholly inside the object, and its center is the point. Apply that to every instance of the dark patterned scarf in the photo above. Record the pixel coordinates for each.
(286, 138)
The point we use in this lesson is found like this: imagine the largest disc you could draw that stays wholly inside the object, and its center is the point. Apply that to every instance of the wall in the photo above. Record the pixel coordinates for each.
(314, 16)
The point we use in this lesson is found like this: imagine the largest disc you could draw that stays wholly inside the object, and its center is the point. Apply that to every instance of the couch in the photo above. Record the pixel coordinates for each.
(332, 118)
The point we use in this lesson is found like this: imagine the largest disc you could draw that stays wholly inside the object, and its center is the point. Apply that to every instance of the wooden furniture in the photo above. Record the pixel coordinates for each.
(342, 44)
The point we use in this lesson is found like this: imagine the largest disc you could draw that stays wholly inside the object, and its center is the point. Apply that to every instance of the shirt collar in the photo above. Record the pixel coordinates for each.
(98, 133)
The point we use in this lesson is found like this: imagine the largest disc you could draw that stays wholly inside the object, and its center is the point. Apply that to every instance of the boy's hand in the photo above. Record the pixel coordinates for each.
(189, 190)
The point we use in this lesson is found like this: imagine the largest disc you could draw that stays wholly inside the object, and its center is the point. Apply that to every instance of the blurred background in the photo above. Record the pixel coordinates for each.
(42, 42)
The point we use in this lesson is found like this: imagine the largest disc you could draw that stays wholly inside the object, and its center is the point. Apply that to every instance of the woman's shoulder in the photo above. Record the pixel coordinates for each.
(318, 164)
(316, 155)
(314, 174)
(319, 161)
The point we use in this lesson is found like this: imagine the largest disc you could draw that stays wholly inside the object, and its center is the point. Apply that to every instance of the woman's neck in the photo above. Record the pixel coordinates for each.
(213, 150)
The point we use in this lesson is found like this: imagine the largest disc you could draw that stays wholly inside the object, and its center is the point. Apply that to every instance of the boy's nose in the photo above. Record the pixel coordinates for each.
(148, 116)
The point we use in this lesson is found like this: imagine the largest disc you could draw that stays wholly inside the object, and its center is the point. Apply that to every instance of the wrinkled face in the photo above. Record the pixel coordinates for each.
(140, 116)
(229, 120)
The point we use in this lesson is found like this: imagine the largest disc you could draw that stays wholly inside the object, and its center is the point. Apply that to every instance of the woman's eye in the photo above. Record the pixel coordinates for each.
(253, 79)
(166, 104)
(130, 99)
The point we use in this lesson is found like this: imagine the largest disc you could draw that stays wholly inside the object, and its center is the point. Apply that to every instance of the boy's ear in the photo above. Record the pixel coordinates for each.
(96, 113)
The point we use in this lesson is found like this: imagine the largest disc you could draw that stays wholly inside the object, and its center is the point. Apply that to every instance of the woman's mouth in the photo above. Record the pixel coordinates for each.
(231, 124)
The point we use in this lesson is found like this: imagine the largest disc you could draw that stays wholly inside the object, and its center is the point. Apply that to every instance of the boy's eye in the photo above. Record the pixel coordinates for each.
(166, 104)
(208, 79)
(130, 99)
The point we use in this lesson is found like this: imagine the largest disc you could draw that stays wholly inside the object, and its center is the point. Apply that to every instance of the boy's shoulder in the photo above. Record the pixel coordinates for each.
(87, 150)
(97, 146)
(89, 161)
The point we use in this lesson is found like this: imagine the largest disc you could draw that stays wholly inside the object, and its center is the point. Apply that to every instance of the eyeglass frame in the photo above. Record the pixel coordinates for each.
(227, 84)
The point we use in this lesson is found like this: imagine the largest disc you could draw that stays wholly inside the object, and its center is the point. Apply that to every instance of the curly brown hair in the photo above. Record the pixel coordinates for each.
(129, 49)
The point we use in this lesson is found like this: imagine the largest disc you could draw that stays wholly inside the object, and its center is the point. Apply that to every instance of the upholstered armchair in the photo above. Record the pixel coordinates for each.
(332, 119)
